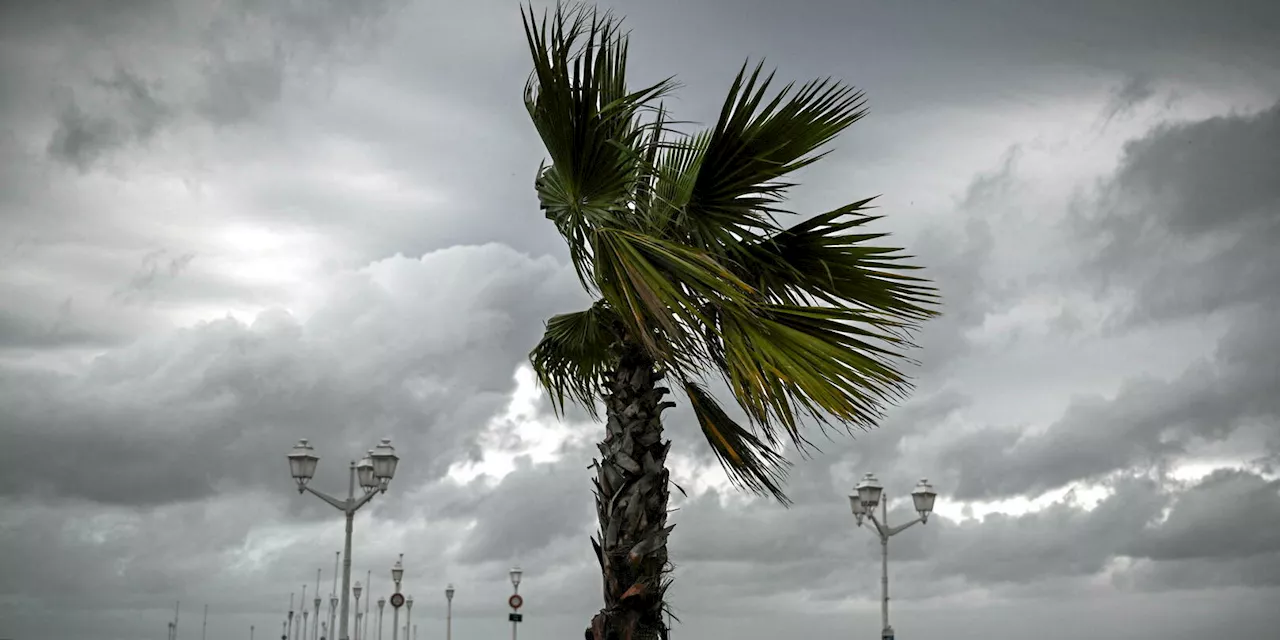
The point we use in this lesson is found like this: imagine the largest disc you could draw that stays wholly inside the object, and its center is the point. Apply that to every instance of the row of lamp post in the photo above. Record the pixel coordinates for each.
(375, 471)
(292, 631)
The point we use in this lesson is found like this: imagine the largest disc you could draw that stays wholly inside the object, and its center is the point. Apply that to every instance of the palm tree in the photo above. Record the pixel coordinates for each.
(676, 236)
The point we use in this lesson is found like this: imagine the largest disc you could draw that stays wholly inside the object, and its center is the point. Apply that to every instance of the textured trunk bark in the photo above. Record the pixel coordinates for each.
(631, 502)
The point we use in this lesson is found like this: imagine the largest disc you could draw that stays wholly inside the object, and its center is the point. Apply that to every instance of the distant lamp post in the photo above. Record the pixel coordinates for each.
(356, 591)
(515, 600)
(408, 615)
(315, 624)
(375, 471)
(333, 613)
(397, 600)
(448, 613)
(870, 494)
(382, 602)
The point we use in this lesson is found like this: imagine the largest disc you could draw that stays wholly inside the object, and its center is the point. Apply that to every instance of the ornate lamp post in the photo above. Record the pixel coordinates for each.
(870, 494)
(374, 473)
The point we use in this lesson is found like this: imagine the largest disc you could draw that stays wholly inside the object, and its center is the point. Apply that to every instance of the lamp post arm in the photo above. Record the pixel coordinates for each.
(361, 501)
(340, 505)
(876, 529)
(893, 531)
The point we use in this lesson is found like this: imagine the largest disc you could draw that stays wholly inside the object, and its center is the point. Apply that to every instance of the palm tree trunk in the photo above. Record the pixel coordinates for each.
(631, 503)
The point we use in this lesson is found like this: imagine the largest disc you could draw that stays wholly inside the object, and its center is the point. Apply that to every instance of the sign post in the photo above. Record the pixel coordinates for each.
(515, 602)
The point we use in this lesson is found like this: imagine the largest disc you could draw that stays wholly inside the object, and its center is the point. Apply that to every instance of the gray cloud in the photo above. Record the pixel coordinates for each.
(1227, 515)
(203, 409)
(149, 148)
(1204, 197)
(243, 56)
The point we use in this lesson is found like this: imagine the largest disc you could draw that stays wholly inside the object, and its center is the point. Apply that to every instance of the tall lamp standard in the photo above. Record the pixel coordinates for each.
(333, 612)
(356, 590)
(368, 581)
(515, 601)
(315, 624)
(397, 600)
(382, 602)
(448, 613)
(870, 494)
(374, 473)
(408, 615)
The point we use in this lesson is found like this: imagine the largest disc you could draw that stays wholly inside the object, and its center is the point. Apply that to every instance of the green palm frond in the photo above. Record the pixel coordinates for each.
(753, 146)
(574, 354)
(588, 121)
(658, 288)
(750, 463)
(826, 259)
(786, 363)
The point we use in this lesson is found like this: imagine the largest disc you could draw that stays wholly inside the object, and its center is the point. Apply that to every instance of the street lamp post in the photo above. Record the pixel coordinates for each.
(368, 581)
(408, 615)
(302, 611)
(515, 593)
(870, 494)
(333, 611)
(382, 602)
(374, 473)
(448, 613)
(315, 624)
(356, 590)
(397, 572)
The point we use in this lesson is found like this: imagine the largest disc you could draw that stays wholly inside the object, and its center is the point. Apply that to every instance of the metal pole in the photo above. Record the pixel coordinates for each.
(380, 605)
(315, 626)
(204, 623)
(302, 611)
(516, 590)
(448, 620)
(346, 556)
(368, 584)
(333, 609)
(395, 618)
(884, 565)
(288, 624)
(177, 605)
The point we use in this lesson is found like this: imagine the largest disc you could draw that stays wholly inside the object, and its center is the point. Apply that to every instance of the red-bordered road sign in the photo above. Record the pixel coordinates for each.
(515, 601)
(397, 599)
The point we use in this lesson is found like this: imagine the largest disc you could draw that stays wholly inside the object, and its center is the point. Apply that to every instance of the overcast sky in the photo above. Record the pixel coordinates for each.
(226, 225)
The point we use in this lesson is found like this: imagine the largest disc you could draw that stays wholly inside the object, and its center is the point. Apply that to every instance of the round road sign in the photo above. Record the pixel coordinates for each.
(515, 601)
(397, 599)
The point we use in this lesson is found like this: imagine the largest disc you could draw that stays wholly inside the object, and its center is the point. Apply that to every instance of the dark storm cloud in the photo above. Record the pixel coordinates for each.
(1144, 423)
(1061, 540)
(1228, 505)
(242, 56)
(183, 416)
(81, 137)
(530, 508)
(1134, 91)
(1190, 221)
